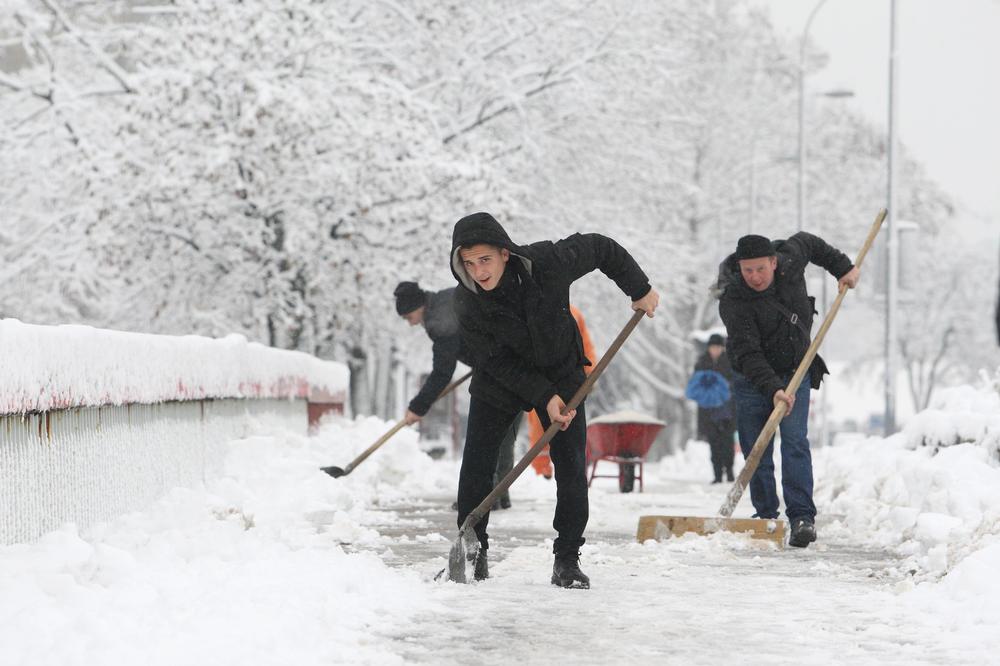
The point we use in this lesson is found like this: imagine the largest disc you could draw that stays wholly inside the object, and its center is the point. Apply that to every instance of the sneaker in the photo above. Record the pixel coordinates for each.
(566, 572)
(803, 533)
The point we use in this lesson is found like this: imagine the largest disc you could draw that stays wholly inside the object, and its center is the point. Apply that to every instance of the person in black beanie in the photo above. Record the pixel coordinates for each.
(514, 317)
(436, 312)
(768, 316)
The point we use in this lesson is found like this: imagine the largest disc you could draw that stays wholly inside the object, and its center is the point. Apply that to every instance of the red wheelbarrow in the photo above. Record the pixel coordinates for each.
(623, 438)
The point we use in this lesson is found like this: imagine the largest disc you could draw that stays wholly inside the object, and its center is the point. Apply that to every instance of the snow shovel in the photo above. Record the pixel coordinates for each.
(337, 472)
(467, 541)
(657, 527)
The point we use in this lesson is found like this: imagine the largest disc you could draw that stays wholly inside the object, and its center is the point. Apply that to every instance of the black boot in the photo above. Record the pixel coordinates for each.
(505, 501)
(717, 471)
(729, 474)
(480, 567)
(566, 572)
(803, 532)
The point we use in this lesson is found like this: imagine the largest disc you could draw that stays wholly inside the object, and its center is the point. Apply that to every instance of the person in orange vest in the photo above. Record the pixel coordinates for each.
(542, 462)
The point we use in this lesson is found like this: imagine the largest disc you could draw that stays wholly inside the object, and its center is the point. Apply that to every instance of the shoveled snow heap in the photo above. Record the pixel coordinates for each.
(932, 491)
(250, 570)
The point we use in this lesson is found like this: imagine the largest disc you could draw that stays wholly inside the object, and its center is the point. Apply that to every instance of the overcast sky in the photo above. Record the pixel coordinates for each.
(949, 96)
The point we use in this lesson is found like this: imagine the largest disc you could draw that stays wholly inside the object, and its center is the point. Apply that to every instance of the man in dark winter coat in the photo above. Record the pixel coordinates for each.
(717, 424)
(513, 311)
(436, 312)
(768, 315)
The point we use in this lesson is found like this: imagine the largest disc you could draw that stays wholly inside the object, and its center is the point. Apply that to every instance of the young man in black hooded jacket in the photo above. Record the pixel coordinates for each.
(513, 311)
(768, 316)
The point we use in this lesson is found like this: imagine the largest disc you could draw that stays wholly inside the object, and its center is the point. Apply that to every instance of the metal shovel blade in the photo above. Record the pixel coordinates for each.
(456, 561)
(334, 471)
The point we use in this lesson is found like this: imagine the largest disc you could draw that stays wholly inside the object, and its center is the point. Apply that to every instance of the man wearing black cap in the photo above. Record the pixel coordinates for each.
(768, 315)
(513, 311)
(436, 311)
(717, 422)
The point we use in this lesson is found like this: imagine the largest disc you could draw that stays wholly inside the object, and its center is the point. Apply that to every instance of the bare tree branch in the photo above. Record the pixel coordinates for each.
(109, 65)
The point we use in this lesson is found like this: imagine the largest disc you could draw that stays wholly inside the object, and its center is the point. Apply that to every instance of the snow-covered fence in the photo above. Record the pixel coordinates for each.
(94, 423)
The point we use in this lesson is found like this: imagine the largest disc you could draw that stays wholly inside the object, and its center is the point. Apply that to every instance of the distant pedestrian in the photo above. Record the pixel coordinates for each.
(768, 316)
(711, 387)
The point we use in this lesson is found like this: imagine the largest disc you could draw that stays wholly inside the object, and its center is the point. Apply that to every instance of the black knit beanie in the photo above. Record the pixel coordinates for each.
(409, 297)
(753, 247)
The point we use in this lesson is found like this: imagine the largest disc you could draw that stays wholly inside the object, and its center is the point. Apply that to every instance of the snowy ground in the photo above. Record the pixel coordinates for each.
(277, 563)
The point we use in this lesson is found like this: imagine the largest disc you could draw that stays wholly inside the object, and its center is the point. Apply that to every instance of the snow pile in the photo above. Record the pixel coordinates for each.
(51, 367)
(254, 569)
(958, 415)
(691, 462)
(399, 470)
(967, 600)
(930, 493)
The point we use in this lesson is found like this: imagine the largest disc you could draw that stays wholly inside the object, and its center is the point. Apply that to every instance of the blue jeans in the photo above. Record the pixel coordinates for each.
(752, 412)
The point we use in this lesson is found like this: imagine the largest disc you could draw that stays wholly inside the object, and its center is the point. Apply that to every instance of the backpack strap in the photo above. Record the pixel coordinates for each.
(792, 317)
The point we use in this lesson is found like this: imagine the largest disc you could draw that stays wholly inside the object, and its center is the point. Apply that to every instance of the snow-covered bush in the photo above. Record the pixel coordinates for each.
(932, 492)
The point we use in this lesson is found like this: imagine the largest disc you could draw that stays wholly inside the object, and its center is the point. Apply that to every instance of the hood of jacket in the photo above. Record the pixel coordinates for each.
(476, 229)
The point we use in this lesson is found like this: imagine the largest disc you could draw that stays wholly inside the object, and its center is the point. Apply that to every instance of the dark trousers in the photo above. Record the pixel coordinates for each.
(487, 427)
(505, 461)
(720, 440)
(752, 412)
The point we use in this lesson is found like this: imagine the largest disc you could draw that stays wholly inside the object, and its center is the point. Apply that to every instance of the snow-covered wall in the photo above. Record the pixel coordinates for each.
(55, 367)
(96, 423)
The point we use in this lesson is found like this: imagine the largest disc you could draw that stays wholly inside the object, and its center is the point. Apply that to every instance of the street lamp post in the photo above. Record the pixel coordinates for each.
(824, 292)
(837, 94)
(802, 113)
(892, 244)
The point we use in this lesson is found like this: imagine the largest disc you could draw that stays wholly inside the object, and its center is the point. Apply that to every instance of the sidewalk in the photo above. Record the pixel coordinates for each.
(692, 600)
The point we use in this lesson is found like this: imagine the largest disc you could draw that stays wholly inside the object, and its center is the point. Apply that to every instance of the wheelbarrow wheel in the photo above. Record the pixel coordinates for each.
(626, 477)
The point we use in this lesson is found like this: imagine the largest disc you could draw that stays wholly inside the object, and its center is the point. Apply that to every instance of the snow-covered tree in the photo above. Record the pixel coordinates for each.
(275, 167)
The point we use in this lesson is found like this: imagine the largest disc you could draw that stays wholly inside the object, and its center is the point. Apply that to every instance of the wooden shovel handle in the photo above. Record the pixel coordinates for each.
(750, 466)
(399, 426)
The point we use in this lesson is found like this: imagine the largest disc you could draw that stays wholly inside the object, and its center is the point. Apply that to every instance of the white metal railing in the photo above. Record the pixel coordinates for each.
(89, 464)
